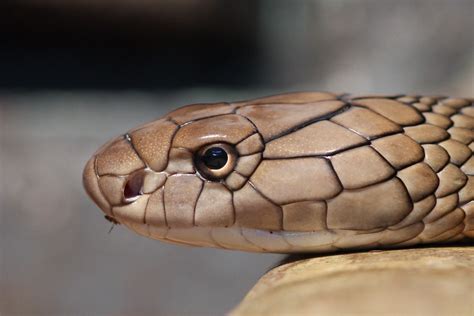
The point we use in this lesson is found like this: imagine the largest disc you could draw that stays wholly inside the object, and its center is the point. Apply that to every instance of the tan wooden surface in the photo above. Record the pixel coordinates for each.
(423, 281)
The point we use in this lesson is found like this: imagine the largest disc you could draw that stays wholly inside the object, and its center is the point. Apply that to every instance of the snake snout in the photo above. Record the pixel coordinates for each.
(91, 185)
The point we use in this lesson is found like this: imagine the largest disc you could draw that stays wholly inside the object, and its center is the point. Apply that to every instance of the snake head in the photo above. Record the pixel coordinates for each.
(294, 172)
(174, 179)
(221, 175)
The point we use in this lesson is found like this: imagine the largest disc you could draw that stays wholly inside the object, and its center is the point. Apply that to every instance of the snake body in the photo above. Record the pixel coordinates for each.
(297, 172)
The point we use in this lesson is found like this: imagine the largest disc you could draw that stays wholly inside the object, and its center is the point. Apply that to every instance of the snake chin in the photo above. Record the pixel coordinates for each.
(243, 239)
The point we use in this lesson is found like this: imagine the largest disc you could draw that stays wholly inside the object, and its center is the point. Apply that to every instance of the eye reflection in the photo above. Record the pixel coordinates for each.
(133, 187)
(215, 158)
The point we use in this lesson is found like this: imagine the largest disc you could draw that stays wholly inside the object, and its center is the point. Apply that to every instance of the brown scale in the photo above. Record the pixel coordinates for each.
(357, 171)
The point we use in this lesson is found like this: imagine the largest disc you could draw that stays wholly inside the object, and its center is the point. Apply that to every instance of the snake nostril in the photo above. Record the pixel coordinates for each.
(133, 187)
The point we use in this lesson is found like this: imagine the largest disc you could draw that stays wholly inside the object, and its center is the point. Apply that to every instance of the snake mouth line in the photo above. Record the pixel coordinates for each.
(111, 219)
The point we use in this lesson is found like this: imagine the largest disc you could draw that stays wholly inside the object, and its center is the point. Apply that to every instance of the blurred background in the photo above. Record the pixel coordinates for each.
(75, 73)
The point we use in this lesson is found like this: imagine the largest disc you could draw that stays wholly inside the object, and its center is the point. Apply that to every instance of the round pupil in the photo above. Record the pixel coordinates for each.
(215, 158)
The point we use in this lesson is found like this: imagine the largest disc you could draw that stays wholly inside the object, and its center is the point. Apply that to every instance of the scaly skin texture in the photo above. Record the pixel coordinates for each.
(306, 172)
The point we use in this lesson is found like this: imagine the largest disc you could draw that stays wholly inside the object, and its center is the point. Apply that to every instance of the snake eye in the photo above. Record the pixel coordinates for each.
(215, 158)
(133, 187)
(215, 161)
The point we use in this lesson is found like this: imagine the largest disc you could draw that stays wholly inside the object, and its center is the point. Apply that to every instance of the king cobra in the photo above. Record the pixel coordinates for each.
(297, 172)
